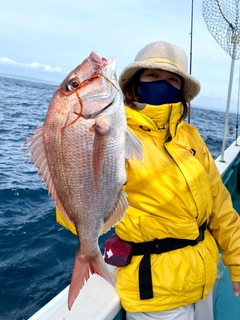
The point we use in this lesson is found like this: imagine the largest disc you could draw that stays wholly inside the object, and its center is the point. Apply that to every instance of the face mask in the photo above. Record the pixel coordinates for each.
(157, 92)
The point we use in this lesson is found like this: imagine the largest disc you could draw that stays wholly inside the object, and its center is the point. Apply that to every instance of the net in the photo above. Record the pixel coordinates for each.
(222, 20)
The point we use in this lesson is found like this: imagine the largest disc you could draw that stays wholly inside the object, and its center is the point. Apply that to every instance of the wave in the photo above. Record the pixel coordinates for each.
(34, 248)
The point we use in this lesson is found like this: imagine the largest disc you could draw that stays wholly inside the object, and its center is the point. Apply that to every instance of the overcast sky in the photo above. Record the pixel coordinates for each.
(46, 39)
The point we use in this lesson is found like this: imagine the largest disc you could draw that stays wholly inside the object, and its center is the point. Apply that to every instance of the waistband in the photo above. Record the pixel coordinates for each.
(158, 246)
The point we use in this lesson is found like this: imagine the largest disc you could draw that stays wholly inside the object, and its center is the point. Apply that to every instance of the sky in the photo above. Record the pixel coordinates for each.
(46, 39)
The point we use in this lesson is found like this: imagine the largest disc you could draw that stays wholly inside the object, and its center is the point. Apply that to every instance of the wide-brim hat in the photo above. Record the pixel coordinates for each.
(165, 56)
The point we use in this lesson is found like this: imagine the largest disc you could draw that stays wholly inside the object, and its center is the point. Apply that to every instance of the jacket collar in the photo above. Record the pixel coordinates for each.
(155, 120)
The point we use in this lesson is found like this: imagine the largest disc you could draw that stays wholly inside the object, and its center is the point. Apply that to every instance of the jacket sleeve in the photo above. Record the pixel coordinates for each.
(224, 221)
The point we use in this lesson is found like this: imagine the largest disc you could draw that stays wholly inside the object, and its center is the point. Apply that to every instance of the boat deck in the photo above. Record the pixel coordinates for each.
(226, 306)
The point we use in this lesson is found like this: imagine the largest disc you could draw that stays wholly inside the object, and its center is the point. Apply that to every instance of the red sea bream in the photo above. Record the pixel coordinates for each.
(80, 152)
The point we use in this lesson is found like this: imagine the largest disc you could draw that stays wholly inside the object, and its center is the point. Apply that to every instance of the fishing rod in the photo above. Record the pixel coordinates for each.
(228, 105)
(237, 109)
(190, 60)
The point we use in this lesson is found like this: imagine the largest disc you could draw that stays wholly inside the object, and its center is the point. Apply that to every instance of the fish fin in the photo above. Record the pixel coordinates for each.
(99, 148)
(133, 147)
(117, 214)
(38, 156)
(83, 267)
(39, 159)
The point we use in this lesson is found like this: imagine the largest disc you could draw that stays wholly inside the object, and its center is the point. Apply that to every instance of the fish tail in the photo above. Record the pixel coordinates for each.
(83, 267)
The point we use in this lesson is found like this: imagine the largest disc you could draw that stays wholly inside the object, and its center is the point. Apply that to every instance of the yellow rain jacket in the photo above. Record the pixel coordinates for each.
(171, 193)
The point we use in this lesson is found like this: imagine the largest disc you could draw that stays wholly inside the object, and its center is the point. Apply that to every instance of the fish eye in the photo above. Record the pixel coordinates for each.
(73, 85)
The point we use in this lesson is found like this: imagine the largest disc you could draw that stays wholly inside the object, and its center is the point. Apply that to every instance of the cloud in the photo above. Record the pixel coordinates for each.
(33, 65)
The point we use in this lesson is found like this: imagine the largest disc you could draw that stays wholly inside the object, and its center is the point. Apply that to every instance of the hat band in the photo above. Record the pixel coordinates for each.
(163, 60)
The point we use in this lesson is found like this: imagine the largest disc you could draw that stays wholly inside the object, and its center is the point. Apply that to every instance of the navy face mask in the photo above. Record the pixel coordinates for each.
(157, 92)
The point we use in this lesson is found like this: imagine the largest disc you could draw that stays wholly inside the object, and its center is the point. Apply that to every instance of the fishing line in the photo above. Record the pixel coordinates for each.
(77, 89)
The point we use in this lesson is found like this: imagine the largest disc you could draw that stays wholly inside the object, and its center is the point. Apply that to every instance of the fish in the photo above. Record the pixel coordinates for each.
(81, 152)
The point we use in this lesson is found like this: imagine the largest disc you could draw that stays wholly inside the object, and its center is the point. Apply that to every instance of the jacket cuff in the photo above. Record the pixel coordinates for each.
(235, 273)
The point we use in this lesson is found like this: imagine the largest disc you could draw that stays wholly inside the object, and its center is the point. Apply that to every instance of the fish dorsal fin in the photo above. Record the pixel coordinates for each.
(117, 214)
(38, 157)
(133, 147)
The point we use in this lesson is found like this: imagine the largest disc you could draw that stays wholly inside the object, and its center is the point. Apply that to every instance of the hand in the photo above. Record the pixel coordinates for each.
(236, 288)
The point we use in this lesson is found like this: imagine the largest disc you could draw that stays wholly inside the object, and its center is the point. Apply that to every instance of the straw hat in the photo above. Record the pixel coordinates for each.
(165, 56)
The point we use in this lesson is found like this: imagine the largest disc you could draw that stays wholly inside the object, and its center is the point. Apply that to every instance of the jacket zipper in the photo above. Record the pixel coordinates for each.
(165, 148)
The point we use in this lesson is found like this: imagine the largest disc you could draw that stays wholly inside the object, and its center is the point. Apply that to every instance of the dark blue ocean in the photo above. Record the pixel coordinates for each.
(37, 254)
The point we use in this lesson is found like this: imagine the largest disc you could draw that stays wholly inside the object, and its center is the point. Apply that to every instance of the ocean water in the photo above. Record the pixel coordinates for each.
(37, 254)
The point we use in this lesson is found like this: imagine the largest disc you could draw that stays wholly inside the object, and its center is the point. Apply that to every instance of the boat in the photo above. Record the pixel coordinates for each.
(98, 300)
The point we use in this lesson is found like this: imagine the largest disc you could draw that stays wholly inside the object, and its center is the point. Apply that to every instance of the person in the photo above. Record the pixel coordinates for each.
(180, 212)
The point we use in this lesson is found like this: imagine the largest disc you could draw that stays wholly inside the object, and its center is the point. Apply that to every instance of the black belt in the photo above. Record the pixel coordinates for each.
(158, 246)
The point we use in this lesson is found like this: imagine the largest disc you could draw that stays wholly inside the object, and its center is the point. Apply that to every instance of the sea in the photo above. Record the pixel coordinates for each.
(36, 253)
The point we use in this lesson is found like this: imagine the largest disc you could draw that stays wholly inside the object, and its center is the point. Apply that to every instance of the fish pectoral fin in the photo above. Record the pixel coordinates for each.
(99, 149)
(117, 214)
(102, 125)
(133, 147)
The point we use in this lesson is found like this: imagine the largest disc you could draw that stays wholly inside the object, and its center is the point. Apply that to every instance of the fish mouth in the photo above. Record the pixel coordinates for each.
(95, 114)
